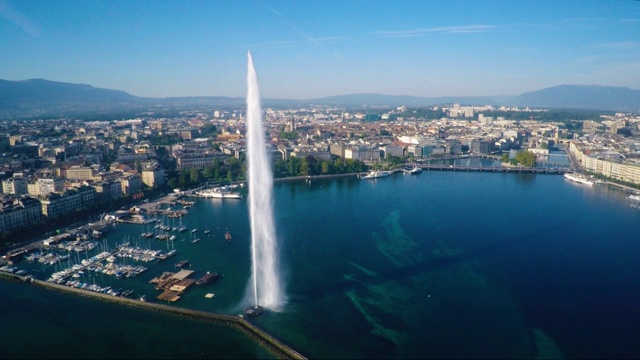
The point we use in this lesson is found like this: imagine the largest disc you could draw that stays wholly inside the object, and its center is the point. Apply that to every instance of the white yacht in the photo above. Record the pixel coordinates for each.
(219, 193)
(376, 174)
(579, 178)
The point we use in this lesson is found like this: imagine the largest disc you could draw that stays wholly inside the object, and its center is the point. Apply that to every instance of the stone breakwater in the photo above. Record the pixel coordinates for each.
(272, 344)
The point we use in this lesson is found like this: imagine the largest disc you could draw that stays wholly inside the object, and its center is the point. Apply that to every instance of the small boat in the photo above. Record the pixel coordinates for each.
(224, 192)
(635, 197)
(194, 230)
(413, 171)
(195, 240)
(227, 236)
(182, 263)
(207, 278)
(376, 174)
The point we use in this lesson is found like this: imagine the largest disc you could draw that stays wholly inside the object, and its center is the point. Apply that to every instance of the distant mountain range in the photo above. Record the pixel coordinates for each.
(593, 97)
(44, 98)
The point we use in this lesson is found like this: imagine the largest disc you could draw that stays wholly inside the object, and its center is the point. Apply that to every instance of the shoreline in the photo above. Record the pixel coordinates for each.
(252, 331)
(311, 177)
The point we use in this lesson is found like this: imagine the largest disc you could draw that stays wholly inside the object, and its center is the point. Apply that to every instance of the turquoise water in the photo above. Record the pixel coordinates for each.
(440, 264)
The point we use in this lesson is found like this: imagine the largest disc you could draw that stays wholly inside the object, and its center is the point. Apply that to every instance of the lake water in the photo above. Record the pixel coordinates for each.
(440, 264)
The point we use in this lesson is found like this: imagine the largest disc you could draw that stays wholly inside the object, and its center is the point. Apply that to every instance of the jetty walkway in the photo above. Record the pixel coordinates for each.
(272, 344)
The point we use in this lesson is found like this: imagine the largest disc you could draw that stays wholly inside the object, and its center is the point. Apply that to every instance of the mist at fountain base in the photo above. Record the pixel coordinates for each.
(254, 311)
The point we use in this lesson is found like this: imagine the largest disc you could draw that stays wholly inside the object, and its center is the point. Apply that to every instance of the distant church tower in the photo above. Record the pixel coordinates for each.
(291, 125)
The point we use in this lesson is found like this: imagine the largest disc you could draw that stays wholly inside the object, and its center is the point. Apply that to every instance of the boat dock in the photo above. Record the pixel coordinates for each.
(272, 344)
(169, 213)
(105, 263)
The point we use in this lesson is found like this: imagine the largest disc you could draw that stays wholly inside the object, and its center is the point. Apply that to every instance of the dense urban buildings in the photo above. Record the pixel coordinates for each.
(55, 167)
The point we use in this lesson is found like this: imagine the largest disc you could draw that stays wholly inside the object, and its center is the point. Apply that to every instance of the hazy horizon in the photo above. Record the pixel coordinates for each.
(306, 50)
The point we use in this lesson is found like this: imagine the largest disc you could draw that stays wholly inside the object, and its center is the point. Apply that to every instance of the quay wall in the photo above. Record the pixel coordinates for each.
(269, 342)
(312, 177)
(505, 169)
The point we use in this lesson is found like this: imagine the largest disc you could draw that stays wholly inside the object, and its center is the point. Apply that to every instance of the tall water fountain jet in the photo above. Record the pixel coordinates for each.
(266, 284)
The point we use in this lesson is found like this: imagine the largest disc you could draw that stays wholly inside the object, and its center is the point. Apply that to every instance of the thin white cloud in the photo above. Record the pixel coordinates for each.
(293, 43)
(582, 23)
(462, 29)
(320, 42)
(523, 49)
(621, 45)
(14, 16)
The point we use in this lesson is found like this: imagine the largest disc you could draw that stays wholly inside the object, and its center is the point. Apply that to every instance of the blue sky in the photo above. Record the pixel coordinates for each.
(308, 49)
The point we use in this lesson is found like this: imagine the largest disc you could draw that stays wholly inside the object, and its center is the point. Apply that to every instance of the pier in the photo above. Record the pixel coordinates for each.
(277, 347)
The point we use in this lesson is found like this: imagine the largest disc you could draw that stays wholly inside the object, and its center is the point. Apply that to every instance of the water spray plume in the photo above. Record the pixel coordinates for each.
(265, 281)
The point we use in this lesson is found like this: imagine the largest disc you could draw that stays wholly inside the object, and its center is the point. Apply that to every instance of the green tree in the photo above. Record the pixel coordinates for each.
(294, 166)
(340, 166)
(209, 172)
(183, 180)
(195, 176)
(305, 168)
(280, 168)
(169, 139)
(394, 160)
(354, 166)
(326, 168)
(526, 158)
(235, 166)
(208, 130)
(310, 162)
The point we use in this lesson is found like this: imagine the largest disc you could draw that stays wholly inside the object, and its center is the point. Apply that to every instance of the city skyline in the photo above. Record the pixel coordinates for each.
(305, 50)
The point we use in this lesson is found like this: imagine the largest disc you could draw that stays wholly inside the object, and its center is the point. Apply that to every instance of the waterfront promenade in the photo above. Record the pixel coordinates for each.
(507, 169)
(275, 346)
